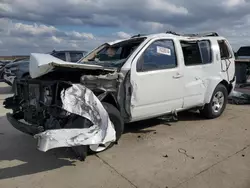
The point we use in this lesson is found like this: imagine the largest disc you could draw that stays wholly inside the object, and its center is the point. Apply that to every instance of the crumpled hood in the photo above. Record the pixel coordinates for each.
(41, 64)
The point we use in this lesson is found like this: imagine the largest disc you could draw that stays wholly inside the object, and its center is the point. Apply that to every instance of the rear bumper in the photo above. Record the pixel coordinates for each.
(23, 127)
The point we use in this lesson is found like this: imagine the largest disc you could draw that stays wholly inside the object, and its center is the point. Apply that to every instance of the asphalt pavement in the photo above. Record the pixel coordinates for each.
(190, 153)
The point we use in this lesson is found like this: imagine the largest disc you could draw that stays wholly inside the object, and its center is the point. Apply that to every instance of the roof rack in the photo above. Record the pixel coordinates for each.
(173, 33)
(138, 35)
(211, 34)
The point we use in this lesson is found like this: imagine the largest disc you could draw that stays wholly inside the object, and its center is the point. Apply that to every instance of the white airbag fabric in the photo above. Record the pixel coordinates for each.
(81, 101)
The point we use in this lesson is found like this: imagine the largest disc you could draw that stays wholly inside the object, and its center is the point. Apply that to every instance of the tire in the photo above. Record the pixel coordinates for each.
(214, 109)
(116, 119)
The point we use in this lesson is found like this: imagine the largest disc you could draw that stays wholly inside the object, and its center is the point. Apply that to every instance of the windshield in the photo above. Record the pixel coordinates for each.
(113, 55)
(244, 51)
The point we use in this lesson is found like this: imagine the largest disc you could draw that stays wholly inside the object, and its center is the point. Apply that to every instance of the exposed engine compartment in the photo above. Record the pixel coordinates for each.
(38, 101)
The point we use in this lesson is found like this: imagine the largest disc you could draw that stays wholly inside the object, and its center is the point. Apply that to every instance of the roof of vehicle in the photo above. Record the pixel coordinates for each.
(171, 34)
(244, 47)
(21, 62)
(83, 51)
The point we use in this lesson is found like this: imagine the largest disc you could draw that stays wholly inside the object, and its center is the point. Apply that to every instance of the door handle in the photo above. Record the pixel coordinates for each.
(177, 76)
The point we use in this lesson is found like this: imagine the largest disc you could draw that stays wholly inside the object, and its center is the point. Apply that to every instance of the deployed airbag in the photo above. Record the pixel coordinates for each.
(81, 101)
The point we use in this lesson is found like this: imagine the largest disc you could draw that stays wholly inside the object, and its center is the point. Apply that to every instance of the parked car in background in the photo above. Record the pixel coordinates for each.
(69, 56)
(20, 68)
(85, 105)
(2, 66)
(242, 64)
(17, 69)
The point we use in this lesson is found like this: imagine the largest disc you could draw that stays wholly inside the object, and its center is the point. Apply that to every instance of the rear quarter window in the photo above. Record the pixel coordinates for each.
(224, 50)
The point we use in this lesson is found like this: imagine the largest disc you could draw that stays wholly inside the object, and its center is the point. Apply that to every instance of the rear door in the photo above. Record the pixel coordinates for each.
(198, 62)
(157, 80)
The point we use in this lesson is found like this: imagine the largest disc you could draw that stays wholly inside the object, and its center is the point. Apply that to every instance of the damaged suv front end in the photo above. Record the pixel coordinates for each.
(40, 107)
(73, 105)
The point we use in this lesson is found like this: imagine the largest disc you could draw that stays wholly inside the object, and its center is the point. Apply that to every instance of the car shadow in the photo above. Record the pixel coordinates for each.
(18, 148)
(19, 156)
(146, 126)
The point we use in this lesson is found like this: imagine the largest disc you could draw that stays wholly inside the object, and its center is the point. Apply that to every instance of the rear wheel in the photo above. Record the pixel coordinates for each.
(217, 104)
(116, 120)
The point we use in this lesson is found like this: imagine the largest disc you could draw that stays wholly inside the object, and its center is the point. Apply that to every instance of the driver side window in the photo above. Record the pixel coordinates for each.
(159, 55)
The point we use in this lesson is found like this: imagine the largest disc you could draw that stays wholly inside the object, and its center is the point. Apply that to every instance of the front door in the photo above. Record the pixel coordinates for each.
(157, 81)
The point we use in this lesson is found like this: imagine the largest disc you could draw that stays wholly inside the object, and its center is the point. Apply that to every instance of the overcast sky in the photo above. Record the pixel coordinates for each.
(43, 25)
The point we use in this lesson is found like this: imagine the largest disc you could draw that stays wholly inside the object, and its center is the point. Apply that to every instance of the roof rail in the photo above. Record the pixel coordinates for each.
(138, 35)
(211, 34)
(173, 33)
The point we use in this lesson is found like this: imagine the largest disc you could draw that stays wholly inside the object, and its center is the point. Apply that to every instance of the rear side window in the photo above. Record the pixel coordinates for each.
(196, 52)
(75, 56)
(206, 52)
(224, 51)
(159, 55)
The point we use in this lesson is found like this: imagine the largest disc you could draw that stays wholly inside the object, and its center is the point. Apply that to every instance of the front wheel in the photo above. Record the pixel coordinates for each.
(116, 119)
(217, 103)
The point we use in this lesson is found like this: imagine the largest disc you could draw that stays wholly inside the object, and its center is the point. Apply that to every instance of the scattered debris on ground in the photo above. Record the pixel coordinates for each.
(183, 151)
(169, 118)
(165, 156)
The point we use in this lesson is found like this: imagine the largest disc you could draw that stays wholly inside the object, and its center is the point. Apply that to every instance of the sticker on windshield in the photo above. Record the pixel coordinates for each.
(163, 50)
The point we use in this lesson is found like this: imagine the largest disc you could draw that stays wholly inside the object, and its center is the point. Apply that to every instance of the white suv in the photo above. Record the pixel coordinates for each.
(139, 78)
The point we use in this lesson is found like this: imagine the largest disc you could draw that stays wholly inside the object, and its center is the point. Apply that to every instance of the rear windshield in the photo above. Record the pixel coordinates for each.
(244, 51)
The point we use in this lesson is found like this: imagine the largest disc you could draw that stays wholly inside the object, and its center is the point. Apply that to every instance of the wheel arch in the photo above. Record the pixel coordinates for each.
(229, 86)
(213, 84)
(110, 98)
